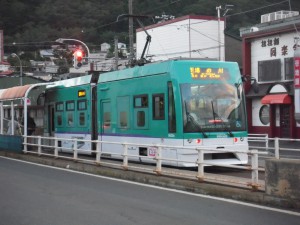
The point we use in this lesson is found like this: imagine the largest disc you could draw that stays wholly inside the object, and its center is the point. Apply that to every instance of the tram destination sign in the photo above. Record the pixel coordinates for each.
(207, 73)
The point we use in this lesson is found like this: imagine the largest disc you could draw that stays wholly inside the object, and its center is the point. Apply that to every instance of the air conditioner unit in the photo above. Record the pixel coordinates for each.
(277, 15)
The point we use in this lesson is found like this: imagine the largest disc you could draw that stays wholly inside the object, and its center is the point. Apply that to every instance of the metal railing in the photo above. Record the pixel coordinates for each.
(49, 146)
(275, 147)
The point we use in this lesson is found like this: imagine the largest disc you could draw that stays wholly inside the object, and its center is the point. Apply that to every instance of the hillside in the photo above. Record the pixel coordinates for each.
(34, 24)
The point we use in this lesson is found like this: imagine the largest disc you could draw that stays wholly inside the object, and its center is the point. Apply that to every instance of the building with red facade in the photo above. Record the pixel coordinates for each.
(268, 58)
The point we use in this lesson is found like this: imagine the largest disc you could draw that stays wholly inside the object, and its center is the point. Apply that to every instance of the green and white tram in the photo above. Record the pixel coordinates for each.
(187, 103)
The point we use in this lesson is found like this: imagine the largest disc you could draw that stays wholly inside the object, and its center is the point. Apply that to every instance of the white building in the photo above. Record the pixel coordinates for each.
(187, 37)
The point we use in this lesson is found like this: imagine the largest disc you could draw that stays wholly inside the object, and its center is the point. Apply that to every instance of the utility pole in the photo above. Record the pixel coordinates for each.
(131, 55)
(116, 53)
(218, 8)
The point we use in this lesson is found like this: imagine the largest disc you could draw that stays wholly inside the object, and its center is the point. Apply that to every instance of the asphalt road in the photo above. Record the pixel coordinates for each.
(36, 195)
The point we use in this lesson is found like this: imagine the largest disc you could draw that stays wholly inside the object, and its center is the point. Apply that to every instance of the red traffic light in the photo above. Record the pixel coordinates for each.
(78, 54)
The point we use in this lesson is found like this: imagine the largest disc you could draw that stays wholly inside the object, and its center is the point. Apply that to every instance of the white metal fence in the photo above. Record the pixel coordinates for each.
(275, 147)
(49, 146)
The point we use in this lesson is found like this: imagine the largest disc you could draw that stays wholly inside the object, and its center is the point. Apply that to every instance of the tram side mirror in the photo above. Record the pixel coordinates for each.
(255, 85)
(253, 81)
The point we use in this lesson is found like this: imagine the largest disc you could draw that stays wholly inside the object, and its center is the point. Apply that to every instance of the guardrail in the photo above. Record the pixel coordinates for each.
(275, 147)
(48, 146)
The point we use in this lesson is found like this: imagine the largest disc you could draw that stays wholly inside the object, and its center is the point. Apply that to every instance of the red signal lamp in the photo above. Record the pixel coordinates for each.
(79, 55)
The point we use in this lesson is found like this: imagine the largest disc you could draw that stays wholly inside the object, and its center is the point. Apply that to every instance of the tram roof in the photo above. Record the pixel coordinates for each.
(137, 71)
(156, 68)
(71, 82)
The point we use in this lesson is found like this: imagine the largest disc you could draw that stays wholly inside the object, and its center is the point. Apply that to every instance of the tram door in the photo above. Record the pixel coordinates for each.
(51, 123)
(94, 117)
(285, 122)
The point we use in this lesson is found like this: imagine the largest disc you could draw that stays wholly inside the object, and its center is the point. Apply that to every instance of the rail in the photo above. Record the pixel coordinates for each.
(275, 147)
(49, 146)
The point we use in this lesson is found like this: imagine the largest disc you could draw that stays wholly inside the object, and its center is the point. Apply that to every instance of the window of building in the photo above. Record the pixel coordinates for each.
(158, 107)
(264, 114)
(269, 70)
(289, 68)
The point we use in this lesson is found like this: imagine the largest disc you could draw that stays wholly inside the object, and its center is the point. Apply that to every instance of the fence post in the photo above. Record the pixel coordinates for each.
(25, 144)
(39, 145)
(75, 157)
(267, 142)
(56, 148)
(98, 153)
(276, 148)
(125, 156)
(254, 169)
(158, 161)
(200, 160)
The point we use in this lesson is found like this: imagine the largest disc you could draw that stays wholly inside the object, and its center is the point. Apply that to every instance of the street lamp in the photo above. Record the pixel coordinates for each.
(21, 69)
(62, 40)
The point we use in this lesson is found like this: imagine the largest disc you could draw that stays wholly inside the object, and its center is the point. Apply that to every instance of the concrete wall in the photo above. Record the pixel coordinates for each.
(283, 178)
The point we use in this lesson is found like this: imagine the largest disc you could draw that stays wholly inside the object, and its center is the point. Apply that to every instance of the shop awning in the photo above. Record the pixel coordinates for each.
(276, 99)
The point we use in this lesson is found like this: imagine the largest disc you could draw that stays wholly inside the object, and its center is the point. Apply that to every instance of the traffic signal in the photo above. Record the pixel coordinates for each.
(78, 56)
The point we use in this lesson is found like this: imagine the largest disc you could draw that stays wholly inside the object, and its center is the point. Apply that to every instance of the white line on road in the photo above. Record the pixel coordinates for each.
(162, 188)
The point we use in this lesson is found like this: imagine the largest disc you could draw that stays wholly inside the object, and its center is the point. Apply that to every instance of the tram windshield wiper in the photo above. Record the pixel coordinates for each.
(218, 119)
(193, 120)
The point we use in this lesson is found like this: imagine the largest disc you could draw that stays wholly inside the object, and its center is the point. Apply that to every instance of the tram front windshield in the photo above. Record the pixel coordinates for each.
(213, 107)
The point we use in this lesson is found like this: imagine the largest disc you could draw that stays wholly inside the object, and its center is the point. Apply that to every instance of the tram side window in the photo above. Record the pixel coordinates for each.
(59, 108)
(141, 111)
(158, 107)
(70, 107)
(81, 107)
(141, 101)
(123, 112)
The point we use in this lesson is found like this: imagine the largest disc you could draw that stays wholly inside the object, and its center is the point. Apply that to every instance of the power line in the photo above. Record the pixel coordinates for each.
(235, 14)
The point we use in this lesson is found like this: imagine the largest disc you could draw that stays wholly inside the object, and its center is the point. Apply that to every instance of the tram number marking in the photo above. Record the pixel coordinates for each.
(152, 151)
